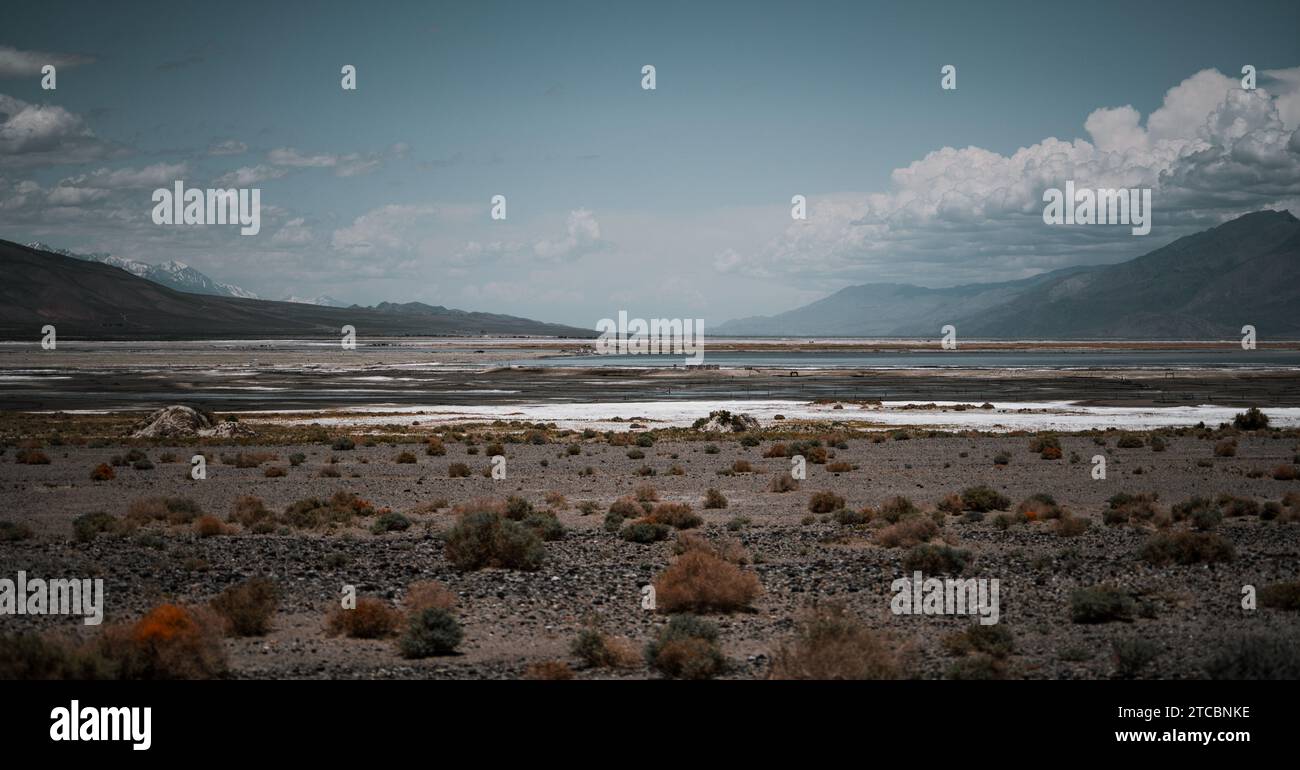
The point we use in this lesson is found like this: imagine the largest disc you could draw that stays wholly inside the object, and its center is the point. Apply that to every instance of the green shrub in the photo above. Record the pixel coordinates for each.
(936, 559)
(390, 522)
(982, 499)
(87, 526)
(643, 531)
(1255, 657)
(1133, 656)
(487, 539)
(1251, 419)
(1101, 604)
(432, 631)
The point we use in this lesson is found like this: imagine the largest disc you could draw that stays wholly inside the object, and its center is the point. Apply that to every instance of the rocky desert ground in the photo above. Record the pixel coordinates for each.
(1180, 563)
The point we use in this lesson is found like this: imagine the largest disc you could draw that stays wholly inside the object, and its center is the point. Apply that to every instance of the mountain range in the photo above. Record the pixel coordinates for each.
(1202, 286)
(98, 300)
(179, 276)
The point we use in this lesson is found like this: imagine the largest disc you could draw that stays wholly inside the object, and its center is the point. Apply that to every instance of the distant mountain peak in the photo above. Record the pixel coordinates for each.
(173, 274)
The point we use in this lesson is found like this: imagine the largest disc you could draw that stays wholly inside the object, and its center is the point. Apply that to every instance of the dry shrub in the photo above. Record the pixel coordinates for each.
(839, 467)
(210, 526)
(1285, 472)
(701, 582)
(480, 505)
(829, 643)
(549, 671)
(370, 619)
(897, 508)
(675, 515)
(1070, 526)
(686, 648)
(488, 539)
(458, 471)
(31, 457)
(951, 504)
(1226, 448)
(776, 450)
(275, 471)
(103, 472)
(173, 510)
(908, 532)
(1040, 506)
(742, 466)
(1185, 548)
(646, 494)
(713, 499)
(428, 594)
(557, 500)
(434, 447)
(726, 548)
(248, 511)
(825, 502)
(170, 642)
(596, 649)
(247, 607)
(783, 483)
(626, 507)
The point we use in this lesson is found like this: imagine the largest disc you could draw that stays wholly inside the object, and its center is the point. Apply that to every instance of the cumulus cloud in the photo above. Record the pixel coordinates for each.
(1210, 152)
(42, 135)
(582, 236)
(18, 64)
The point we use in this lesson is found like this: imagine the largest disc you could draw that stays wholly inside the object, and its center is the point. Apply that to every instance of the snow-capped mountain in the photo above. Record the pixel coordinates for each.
(323, 300)
(174, 275)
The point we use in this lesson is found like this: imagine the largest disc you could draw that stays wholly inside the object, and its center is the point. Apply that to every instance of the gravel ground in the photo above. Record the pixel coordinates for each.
(512, 619)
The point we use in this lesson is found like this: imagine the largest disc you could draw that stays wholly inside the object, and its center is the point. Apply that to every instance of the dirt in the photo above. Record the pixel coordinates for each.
(512, 619)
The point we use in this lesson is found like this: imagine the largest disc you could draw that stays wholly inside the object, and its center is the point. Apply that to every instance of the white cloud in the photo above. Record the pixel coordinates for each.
(228, 147)
(582, 236)
(16, 64)
(247, 176)
(42, 134)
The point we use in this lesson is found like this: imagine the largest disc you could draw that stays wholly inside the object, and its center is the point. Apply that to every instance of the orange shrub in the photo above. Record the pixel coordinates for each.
(370, 619)
(170, 642)
(699, 581)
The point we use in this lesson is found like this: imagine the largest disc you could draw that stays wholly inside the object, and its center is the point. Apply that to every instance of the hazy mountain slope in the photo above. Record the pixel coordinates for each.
(90, 299)
(1210, 284)
(173, 274)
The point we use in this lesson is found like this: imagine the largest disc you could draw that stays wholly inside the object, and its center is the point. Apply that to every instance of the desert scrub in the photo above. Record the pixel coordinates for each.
(897, 508)
(211, 526)
(699, 581)
(391, 521)
(12, 532)
(831, 644)
(1226, 448)
(1251, 419)
(31, 457)
(370, 619)
(597, 649)
(169, 642)
(936, 559)
(1186, 548)
(1130, 441)
(1254, 656)
(644, 531)
(1203, 514)
(427, 594)
(88, 526)
(1070, 526)
(996, 640)
(431, 631)
(545, 524)
(251, 513)
(247, 608)
(646, 494)
(1101, 604)
(686, 648)
(1039, 506)
(825, 502)
(1125, 507)
(434, 447)
(983, 499)
(783, 483)
(103, 472)
(488, 539)
(1281, 596)
(907, 533)
(1133, 655)
(343, 444)
(675, 515)
(173, 510)
(405, 458)
(713, 499)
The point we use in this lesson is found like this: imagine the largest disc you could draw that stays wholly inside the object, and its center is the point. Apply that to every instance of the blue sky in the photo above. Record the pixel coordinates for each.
(673, 202)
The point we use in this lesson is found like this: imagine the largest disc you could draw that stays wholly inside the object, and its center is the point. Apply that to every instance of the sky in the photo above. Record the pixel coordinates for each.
(672, 202)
